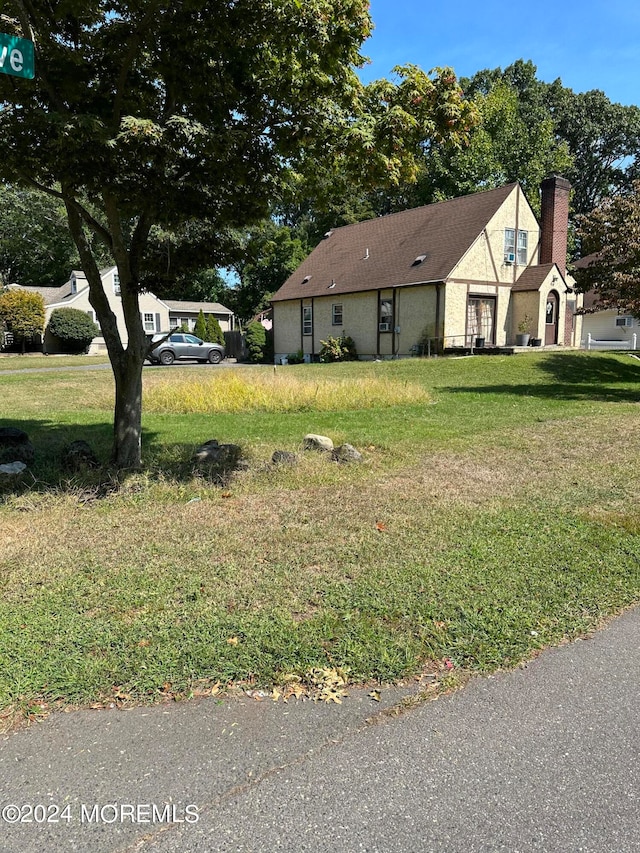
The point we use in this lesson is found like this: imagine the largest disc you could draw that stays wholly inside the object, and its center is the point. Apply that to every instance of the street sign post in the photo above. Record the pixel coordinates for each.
(16, 56)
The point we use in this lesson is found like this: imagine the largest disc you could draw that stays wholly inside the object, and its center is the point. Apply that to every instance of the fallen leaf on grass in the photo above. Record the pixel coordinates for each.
(233, 641)
(381, 526)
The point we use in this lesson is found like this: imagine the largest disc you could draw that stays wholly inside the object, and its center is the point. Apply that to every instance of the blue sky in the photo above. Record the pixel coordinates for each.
(593, 44)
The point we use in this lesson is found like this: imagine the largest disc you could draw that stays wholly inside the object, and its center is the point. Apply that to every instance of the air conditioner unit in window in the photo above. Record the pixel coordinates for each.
(384, 327)
(510, 257)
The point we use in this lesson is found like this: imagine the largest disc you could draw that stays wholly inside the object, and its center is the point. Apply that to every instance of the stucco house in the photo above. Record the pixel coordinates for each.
(606, 328)
(437, 277)
(157, 315)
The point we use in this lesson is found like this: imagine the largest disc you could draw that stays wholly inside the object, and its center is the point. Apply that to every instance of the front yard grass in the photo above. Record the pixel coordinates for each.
(495, 513)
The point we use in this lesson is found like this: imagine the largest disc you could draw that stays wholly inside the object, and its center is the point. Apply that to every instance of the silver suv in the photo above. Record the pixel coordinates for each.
(181, 345)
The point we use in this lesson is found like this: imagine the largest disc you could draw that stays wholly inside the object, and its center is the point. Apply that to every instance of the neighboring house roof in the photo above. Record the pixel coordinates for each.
(51, 295)
(412, 247)
(205, 307)
(534, 277)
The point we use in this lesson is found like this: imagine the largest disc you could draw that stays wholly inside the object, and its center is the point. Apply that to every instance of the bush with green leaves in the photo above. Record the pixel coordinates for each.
(200, 328)
(296, 357)
(73, 328)
(255, 342)
(215, 335)
(338, 349)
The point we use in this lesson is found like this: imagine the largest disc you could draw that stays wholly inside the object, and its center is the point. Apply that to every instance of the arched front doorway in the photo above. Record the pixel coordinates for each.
(551, 318)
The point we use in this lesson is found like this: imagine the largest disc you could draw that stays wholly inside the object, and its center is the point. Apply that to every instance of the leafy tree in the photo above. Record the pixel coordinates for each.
(22, 314)
(214, 334)
(148, 115)
(610, 235)
(603, 139)
(255, 342)
(73, 327)
(514, 140)
(271, 253)
(35, 245)
(200, 329)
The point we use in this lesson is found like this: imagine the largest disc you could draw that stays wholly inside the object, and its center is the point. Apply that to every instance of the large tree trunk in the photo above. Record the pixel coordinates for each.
(126, 363)
(127, 417)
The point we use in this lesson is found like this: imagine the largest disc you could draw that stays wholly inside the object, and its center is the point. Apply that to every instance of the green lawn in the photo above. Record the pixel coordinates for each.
(495, 513)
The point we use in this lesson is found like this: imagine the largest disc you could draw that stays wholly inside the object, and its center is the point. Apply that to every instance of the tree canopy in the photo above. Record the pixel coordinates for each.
(149, 114)
(611, 239)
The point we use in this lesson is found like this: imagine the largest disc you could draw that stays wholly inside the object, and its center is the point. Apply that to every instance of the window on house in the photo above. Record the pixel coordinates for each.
(149, 323)
(385, 315)
(74, 285)
(116, 284)
(307, 319)
(481, 312)
(624, 321)
(510, 245)
(336, 315)
(92, 316)
(522, 248)
(173, 323)
(515, 246)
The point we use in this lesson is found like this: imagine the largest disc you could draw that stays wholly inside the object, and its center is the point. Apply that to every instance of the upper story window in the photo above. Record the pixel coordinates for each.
(522, 248)
(336, 315)
(515, 246)
(116, 284)
(74, 284)
(624, 321)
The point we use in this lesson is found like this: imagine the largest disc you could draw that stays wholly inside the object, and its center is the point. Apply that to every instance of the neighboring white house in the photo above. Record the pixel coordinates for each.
(606, 328)
(157, 315)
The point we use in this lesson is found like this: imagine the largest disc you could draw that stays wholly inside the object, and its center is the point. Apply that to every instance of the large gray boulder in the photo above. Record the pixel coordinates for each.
(284, 457)
(217, 460)
(78, 455)
(15, 446)
(312, 441)
(346, 453)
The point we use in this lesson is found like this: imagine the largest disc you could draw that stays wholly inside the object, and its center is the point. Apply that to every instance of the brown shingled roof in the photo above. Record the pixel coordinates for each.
(533, 278)
(382, 252)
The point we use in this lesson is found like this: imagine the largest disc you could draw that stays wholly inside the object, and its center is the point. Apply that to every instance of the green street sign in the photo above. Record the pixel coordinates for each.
(16, 56)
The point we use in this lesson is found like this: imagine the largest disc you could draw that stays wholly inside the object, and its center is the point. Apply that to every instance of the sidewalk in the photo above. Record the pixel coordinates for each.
(544, 758)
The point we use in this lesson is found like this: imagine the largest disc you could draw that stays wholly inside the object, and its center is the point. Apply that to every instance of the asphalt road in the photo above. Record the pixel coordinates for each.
(544, 758)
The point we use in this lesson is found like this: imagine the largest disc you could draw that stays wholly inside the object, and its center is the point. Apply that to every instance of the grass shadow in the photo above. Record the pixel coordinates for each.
(574, 376)
(48, 473)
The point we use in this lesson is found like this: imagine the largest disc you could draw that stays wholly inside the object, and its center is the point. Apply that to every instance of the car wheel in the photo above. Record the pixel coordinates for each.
(167, 357)
(215, 356)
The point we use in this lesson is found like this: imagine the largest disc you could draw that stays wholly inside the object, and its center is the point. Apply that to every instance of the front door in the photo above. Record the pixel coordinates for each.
(551, 319)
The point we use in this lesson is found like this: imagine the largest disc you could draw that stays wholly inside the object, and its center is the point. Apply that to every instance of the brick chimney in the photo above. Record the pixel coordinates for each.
(555, 221)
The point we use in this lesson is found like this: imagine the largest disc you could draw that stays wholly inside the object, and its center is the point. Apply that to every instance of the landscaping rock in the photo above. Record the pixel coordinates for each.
(217, 459)
(15, 446)
(79, 455)
(284, 457)
(10, 470)
(317, 442)
(346, 453)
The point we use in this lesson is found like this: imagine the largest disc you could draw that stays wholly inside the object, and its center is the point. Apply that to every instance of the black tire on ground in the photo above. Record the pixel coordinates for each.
(215, 356)
(167, 357)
